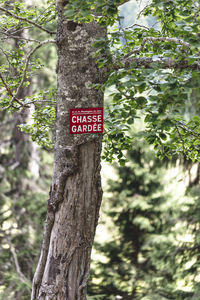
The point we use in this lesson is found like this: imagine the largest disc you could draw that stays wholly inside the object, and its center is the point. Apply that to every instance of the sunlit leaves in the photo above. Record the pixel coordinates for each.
(158, 94)
(42, 122)
(86, 11)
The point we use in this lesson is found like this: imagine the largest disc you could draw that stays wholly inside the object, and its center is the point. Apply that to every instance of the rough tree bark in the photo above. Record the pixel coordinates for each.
(76, 193)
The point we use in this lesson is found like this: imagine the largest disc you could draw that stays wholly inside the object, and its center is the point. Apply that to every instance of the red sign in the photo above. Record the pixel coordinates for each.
(86, 120)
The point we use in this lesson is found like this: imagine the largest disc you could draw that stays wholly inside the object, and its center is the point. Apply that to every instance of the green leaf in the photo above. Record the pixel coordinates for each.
(69, 13)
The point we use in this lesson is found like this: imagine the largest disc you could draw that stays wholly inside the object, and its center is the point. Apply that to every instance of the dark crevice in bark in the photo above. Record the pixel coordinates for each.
(71, 25)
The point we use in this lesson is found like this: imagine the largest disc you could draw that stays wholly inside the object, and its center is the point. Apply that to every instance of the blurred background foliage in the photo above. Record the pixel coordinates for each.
(25, 168)
(147, 243)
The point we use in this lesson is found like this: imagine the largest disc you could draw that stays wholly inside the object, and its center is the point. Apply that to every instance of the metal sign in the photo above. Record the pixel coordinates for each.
(86, 120)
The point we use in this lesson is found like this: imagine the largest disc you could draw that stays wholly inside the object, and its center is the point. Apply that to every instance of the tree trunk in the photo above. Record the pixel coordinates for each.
(75, 196)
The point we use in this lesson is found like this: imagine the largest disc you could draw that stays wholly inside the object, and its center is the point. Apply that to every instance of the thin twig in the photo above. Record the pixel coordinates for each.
(14, 97)
(154, 24)
(44, 12)
(27, 61)
(18, 269)
(26, 20)
(182, 140)
(141, 11)
(187, 129)
(10, 93)
(10, 36)
(17, 30)
(136, 25)
(41, 101)
(7, 58)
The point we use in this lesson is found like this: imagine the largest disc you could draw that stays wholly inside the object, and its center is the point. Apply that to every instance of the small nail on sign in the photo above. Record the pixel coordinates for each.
(86, 120)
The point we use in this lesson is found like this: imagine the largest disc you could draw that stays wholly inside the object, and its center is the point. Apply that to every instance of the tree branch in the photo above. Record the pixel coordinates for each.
(27, 61)
(136, 25)
(17, 37)
(186, 128)
(26, 20)
(17, 266)
(147, 62)
(141, 11)
(7, 58)
(15, 30)
(157, 39)
(14, 96)
(10, 93)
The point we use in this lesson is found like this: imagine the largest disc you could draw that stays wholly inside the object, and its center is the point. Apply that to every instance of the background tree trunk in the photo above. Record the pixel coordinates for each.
(76, 193)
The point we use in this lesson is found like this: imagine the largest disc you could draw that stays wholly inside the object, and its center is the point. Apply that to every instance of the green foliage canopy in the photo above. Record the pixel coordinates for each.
(151, 69)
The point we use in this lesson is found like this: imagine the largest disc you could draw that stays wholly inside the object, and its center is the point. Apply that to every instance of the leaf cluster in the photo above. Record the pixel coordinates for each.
(155, 93)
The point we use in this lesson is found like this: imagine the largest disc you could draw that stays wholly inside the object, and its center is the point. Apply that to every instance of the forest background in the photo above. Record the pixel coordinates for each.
(147, 243)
